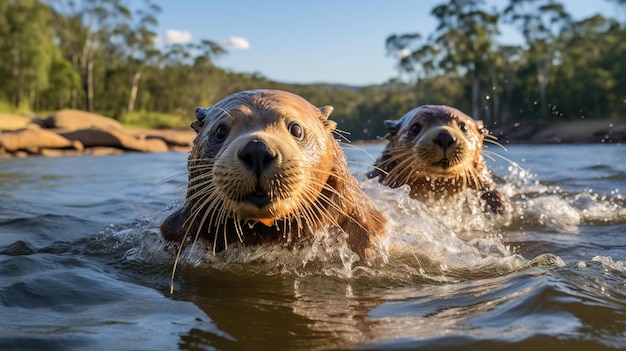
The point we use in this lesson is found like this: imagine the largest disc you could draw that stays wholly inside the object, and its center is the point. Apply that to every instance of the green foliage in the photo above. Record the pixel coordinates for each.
(566, 70)
(26, 51)
(99, 55)
(144, 119)
(22, 109)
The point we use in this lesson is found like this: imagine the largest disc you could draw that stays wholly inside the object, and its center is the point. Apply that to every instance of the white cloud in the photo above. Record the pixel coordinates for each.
(174, 36)
(237, 43)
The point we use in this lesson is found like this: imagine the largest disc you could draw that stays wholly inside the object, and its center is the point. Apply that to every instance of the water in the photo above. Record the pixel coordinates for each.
(82, 265)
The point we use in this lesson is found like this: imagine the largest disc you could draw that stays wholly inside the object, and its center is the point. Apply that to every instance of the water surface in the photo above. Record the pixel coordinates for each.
(82, 265)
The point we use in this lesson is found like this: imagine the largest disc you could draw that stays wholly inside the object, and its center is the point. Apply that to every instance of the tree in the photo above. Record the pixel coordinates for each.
(541, 23)
(26, 50)
(586, 82)
(139, 38)
(64, 82)
(467, 35)
(462, 44)
(83, 29)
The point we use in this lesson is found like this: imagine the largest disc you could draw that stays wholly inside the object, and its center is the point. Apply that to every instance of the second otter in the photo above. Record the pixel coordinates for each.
(437, 151)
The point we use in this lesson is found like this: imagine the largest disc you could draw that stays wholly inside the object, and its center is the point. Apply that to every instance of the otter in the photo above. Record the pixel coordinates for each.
(265, 168)
(437, 151)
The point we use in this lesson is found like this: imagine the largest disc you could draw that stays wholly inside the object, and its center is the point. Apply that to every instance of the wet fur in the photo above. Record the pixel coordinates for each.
(415, 157)
(310, 186)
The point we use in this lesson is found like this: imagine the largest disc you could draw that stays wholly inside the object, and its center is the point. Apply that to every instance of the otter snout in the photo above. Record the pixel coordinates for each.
(257, 156)
(444, 139)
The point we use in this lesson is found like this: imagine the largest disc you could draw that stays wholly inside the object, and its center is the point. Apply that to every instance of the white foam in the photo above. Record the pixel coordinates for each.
(609, 263)
(444, 241)
(417, 245)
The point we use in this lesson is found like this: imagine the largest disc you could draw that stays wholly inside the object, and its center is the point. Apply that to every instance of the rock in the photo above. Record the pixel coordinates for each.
(70, 119)
(59, 152)
(32, 140)
(175, 148)
(103, 151)
(154, 145)
(115, 138)
(173, 138)
(10, 121)
(92, 137)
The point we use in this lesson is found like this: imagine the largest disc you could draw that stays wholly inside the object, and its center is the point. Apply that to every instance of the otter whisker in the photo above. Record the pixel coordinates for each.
(403, 171)
(354, 147)
(328, 201)
(306, 186)
(342, 135)
(491, 154)
(358, 163)
(164, 181)
(494, 143)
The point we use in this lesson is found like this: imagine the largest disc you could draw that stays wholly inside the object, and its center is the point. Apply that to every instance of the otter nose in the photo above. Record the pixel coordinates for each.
(444, 139)
(257, 156)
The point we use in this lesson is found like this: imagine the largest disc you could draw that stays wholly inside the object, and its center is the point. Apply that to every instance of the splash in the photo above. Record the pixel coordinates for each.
(608, 263)
(418, 247)
(439, 242)
(538, 204)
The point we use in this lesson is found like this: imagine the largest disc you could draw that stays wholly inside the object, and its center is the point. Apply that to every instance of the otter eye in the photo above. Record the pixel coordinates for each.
(220, 133)
(416, 128)
(463, 127)
(296, 131)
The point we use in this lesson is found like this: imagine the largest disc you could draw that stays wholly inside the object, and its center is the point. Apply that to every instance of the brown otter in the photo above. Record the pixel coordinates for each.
(265, 168)
(437, 151)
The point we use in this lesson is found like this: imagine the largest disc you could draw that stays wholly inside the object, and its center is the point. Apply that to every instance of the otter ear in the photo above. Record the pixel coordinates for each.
(325, 112)
(481, 127)
(393, 126)
(201, 115)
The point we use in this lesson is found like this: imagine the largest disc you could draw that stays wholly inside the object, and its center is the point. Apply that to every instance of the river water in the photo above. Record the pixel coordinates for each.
(82, 266)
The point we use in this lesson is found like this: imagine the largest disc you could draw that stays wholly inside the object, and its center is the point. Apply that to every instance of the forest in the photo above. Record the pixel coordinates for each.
(101, 56)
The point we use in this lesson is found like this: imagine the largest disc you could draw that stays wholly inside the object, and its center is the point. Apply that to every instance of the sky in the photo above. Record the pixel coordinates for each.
(317, 41)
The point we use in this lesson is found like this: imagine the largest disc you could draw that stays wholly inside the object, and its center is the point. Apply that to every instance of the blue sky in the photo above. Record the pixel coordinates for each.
(310, 41)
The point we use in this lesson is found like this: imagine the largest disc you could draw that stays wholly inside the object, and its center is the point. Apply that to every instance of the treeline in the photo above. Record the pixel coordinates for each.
(99, 55)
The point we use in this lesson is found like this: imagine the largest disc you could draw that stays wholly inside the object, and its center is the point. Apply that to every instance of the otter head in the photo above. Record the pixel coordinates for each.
(435, 145)
(260, 156)
(265, 167)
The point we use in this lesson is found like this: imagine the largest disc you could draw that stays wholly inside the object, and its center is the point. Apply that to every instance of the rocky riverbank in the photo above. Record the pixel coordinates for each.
(581, 132)
(74, 133)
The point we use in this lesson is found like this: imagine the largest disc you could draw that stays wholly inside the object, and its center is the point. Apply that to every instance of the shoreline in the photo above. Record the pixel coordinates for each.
(80, 133)
(578, 132)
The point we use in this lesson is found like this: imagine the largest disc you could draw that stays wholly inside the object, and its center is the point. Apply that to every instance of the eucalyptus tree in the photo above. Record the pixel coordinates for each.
(541, 23)
(405, 48)
(27, 50)
(84, 28)
(508, 62)
(64, 83)
(461, 45)
(205, 74)
(139, 49)
(185, 76)
(587, 80)
(466, 33)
